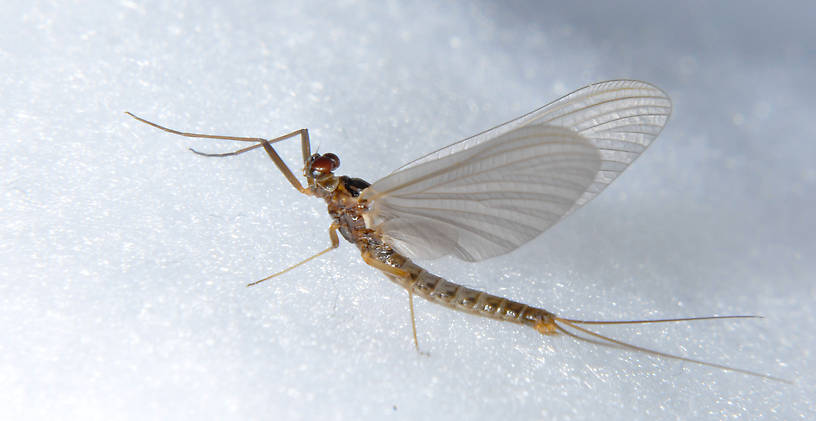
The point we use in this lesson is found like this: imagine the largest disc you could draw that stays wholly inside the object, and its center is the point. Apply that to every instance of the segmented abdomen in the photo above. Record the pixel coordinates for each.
(458, 297)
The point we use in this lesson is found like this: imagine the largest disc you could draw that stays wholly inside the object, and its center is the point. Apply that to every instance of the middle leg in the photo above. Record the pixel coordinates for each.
(335, 242)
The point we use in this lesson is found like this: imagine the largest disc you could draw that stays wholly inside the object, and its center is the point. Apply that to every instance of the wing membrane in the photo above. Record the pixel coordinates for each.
(490, 193)
(486, 200)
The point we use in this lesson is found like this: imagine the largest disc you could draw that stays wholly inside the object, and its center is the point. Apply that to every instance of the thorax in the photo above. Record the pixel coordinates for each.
(346, 208)
(348, 211)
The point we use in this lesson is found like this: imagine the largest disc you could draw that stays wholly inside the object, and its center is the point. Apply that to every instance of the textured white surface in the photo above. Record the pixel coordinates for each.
(123, 256)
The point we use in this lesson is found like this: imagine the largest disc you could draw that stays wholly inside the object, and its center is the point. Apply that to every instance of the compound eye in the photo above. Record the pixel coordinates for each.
(325, 163)
(334, 159)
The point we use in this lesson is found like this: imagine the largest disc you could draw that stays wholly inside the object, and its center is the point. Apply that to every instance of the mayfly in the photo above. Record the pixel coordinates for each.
(485, 196)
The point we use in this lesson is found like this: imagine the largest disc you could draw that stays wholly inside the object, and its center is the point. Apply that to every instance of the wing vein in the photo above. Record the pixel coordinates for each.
(489, 193)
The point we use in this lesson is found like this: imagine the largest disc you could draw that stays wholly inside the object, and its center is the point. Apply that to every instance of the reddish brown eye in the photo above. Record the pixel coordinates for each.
(334, 159)
(322, 165)
(325, 163)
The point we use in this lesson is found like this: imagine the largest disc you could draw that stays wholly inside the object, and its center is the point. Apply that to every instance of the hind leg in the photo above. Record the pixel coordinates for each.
(399, 273)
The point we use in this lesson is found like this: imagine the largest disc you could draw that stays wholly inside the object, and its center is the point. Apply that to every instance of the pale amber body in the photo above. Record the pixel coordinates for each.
(348, 212)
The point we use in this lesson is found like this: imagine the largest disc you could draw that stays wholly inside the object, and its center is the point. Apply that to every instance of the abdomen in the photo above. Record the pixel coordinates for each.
(468, 300)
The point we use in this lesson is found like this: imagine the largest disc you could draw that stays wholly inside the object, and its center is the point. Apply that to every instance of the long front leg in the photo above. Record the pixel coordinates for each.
(305, 143)
(305, 147)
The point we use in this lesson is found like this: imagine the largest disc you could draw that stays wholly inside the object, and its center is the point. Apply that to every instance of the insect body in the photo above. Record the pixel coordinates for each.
(485, 196)
(349, 211)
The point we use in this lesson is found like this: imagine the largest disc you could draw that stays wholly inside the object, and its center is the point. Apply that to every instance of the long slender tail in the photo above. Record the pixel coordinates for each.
(562, 324)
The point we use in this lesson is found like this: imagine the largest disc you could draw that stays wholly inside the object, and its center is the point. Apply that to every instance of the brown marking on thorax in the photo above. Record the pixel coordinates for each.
(347, 210)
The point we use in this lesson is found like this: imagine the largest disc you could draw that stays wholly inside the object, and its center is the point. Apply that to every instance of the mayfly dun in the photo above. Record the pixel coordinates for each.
(485, 196)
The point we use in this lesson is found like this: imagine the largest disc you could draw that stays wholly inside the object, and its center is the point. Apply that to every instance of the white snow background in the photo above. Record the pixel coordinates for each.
(124, 257)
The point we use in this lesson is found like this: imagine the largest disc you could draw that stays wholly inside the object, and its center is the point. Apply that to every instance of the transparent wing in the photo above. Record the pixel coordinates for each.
(619, 117)
(486, 200)
(488, 194)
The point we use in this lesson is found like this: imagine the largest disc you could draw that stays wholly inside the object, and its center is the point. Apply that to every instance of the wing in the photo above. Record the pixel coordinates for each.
(490, 193)
(485, 200)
